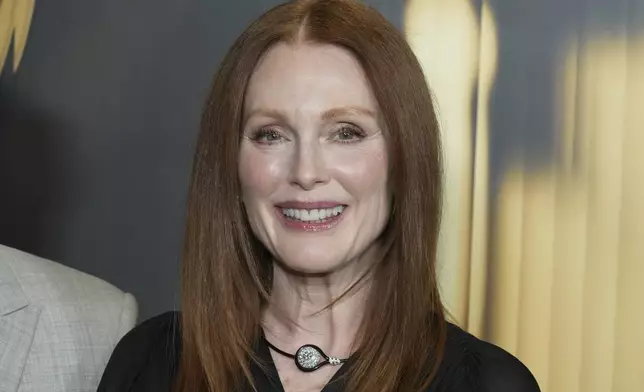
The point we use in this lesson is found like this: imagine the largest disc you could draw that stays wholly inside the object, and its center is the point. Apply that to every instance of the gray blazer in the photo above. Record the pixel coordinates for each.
(58, 326)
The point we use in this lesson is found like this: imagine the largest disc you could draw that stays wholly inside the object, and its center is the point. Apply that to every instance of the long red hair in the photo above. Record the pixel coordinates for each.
(226, 271)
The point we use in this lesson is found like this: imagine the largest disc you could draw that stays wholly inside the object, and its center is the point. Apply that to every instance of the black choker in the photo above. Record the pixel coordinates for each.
(309, 357)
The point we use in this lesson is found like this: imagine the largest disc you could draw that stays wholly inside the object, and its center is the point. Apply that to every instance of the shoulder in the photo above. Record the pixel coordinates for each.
(60, 309)
(471, 364)
(47, 282)
(146, 357)
(71, 295)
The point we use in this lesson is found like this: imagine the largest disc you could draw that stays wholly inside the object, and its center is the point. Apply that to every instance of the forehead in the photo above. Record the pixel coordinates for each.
(306, 75)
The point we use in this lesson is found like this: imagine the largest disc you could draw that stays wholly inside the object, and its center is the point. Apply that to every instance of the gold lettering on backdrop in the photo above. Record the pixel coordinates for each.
(15, 20)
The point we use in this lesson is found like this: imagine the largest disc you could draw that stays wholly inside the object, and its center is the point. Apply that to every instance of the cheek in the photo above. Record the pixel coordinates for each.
(259, 172)
(363, 172)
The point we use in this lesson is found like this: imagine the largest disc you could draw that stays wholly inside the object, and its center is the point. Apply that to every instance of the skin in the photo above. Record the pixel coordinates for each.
(311, 132)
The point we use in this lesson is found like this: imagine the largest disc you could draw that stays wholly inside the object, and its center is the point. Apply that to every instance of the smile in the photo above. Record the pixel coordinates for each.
(319, 216)
(316, 215)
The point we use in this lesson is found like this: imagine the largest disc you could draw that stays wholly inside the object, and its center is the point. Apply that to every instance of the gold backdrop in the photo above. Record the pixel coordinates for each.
(15, 19)
(550, 266)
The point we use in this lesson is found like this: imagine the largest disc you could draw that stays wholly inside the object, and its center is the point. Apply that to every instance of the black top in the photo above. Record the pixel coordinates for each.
(145, 360)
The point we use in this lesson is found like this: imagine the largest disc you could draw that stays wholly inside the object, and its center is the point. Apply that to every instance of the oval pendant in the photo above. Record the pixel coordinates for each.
(310, 357)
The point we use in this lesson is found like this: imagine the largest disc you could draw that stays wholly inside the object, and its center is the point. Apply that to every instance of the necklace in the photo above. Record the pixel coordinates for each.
(309, 357)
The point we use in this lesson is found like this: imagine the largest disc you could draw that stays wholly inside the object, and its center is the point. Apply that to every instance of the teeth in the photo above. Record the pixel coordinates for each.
(312, 215)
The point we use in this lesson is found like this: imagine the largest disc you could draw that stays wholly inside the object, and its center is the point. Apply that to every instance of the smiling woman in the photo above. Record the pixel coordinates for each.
(313, 214)
(314, 153)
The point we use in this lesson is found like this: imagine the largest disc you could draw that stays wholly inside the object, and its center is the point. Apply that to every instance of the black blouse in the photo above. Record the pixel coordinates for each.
(145, 360)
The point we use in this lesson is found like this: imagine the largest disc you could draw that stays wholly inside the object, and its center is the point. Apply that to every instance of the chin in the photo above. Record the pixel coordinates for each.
(307, 265)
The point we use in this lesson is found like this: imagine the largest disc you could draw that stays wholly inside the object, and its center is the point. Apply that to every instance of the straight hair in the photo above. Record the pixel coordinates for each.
(226, 272)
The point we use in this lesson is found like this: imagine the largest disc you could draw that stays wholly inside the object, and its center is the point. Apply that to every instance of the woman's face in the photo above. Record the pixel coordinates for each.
(313, 160)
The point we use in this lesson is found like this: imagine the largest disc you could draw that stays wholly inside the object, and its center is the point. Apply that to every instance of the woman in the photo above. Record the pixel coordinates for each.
(313, 214)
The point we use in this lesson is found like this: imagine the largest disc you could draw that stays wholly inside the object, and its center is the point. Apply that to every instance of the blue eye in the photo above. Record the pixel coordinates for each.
(349, 134)
(267, 136)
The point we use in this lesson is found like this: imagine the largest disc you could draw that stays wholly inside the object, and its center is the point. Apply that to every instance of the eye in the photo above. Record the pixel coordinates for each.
(349, 134)
(267, 136)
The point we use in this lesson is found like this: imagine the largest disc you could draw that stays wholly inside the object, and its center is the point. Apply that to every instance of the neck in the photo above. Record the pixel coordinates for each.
(300, 313)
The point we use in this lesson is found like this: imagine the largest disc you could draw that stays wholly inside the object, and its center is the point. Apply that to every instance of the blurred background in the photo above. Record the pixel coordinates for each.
(542, 109)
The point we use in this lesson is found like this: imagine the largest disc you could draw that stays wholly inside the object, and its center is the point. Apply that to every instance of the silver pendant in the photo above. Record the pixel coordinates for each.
(310, 357)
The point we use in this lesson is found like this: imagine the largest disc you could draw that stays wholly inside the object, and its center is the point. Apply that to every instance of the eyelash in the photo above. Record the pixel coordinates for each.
(257, 136)
(353, 130)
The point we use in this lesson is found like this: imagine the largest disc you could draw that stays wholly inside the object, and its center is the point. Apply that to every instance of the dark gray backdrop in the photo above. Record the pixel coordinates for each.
(97, 131)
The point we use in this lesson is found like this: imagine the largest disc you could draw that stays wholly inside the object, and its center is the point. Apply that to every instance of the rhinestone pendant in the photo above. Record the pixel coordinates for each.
(309, 358)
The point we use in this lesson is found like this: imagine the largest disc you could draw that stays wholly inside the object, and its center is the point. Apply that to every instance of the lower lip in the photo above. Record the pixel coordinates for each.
(326, 224)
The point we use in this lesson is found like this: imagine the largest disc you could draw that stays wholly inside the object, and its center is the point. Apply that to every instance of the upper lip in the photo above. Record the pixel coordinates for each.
(308, 205)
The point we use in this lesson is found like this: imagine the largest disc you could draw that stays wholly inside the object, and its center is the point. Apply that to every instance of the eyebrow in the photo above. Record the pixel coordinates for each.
(326, 115)
(347, 111)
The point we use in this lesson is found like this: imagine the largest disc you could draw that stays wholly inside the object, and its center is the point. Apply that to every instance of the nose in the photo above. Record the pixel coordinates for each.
(308, 166)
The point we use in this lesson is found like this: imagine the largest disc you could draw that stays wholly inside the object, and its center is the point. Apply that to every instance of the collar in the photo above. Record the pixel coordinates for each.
(12, 297)
(18, 321)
